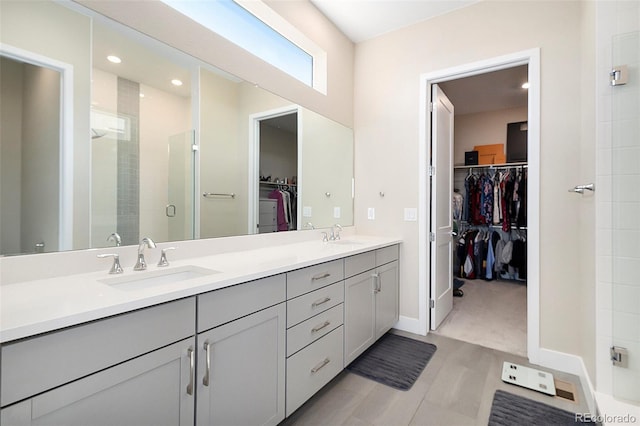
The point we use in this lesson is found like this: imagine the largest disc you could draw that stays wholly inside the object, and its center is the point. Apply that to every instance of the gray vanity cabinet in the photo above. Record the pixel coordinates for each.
(136, 368)
(153, 389)
(241, 361)
(371, 299)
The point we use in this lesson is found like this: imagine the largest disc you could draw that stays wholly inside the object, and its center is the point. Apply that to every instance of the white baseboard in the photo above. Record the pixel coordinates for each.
(411, 325)
(571, 364)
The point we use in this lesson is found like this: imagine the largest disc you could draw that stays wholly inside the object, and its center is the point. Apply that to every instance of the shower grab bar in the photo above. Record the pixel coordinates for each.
(215, 194)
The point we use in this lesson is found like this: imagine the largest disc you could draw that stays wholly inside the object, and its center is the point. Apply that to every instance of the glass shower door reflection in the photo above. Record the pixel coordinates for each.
(180, 209)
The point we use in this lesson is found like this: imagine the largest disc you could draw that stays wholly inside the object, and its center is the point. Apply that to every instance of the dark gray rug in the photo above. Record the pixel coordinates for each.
(394, 361)
(510, 410)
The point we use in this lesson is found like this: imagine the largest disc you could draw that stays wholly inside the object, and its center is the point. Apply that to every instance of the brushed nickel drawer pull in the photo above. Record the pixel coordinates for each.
(320, 302)
(320, 276)
(320, 366)
(192, 367)
(207, 358)
(320, 327)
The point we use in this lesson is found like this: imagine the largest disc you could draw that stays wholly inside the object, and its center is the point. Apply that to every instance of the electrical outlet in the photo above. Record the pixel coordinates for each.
(336, 212)
(371, 213)
(306, 211)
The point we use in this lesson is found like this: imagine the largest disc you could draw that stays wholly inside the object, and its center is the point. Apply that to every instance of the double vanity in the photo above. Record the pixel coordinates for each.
(239, 337)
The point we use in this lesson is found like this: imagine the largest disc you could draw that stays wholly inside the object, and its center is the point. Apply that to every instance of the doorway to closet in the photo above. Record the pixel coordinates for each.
(498, 307)
(278, 173)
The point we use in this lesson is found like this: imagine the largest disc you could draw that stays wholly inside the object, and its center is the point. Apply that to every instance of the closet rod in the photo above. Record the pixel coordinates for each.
(494, 166)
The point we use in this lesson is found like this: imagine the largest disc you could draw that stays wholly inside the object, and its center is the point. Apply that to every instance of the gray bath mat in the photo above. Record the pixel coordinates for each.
(510, 410)
(394, 361)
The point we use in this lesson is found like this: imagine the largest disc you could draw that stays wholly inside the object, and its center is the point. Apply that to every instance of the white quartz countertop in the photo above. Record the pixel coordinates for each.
(34, 307)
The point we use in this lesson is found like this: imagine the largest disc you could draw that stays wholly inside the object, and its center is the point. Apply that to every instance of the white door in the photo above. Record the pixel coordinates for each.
(441, 229)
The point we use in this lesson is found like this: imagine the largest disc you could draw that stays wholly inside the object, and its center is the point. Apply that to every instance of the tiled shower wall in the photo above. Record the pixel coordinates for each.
(618, 192)
(128, 198)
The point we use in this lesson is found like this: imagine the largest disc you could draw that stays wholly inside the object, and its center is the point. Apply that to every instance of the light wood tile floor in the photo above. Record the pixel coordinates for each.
(456, 388)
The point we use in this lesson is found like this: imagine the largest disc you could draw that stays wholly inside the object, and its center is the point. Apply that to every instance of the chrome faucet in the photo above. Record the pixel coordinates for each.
(115, 237)
(141, 264)
(335, 235)
(309, 225)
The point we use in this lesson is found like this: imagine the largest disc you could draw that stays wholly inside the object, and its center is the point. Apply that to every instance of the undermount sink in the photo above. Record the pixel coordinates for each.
(133, 281)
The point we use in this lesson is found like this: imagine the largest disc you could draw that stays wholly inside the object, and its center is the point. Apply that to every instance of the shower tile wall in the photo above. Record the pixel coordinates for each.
(128, 198)
(618, 180)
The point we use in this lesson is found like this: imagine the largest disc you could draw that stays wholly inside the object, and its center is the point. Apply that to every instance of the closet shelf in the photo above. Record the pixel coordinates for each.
(490, 166)
(262, 182)
(514, 227)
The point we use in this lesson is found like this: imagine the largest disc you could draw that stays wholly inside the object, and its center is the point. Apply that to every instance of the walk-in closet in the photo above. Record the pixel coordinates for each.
(278, 195)
(489, 206)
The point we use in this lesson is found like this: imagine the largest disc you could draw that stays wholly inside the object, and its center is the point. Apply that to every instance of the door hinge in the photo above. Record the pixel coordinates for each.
(430, 106)
(619, 356)
(432, 303)
(432, 237)
(431, 170)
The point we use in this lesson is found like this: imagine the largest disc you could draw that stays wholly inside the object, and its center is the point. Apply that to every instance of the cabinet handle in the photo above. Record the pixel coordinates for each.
(320, 327)
(320, 366)
(320, 276)
(320, 302)
(192, 369)
(376, 282)
(207, 359)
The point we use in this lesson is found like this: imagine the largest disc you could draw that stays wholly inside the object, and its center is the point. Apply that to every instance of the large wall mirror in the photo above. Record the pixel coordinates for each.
(139, 139)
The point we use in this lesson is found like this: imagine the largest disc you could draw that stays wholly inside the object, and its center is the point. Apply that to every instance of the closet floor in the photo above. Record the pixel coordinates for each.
(492, 314)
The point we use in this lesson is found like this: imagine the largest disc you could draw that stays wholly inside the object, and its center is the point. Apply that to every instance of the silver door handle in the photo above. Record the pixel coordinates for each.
(320, 302)
(320, 327)
(192, 367)
(581, 188)
(207, 359)
(320, 366)
(320, 276)
(376, 282)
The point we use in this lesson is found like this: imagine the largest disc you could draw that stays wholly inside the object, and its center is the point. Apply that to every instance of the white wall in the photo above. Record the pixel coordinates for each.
(56, 32)
(387, 124)
(484, 128)
(278, 153)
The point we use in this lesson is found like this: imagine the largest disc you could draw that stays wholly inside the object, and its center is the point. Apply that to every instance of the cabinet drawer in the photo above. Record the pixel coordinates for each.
(312, 368)
(354, 265)
(386, 255)
(310, 304)
(34, 365)
(314, 328)
(314, 277)
(227, 304)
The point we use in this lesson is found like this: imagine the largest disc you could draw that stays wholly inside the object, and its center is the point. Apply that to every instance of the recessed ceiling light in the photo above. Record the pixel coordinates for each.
(176, 82)
(114, 59)
(525, 85)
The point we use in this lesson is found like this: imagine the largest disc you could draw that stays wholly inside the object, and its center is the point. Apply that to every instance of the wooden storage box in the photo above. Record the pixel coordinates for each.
(490, 154)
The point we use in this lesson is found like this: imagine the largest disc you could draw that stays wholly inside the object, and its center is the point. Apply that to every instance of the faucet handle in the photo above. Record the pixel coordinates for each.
(338, 229)
(163, 256)
(115, 267)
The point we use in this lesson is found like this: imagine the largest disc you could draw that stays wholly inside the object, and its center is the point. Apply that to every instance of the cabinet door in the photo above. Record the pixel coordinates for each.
(359, 315)
(241, 371)
(386, 298)
(153, 389)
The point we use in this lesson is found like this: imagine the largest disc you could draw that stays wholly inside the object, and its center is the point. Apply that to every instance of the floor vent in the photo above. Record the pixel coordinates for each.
(565, 390)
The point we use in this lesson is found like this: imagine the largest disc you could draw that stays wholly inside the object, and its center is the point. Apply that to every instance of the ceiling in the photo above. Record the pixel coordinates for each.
(362, 20)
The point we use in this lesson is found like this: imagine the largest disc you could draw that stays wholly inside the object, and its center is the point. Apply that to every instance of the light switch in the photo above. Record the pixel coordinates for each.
(336, 212)
(371, 213)
(306, 211)
(410, 214)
